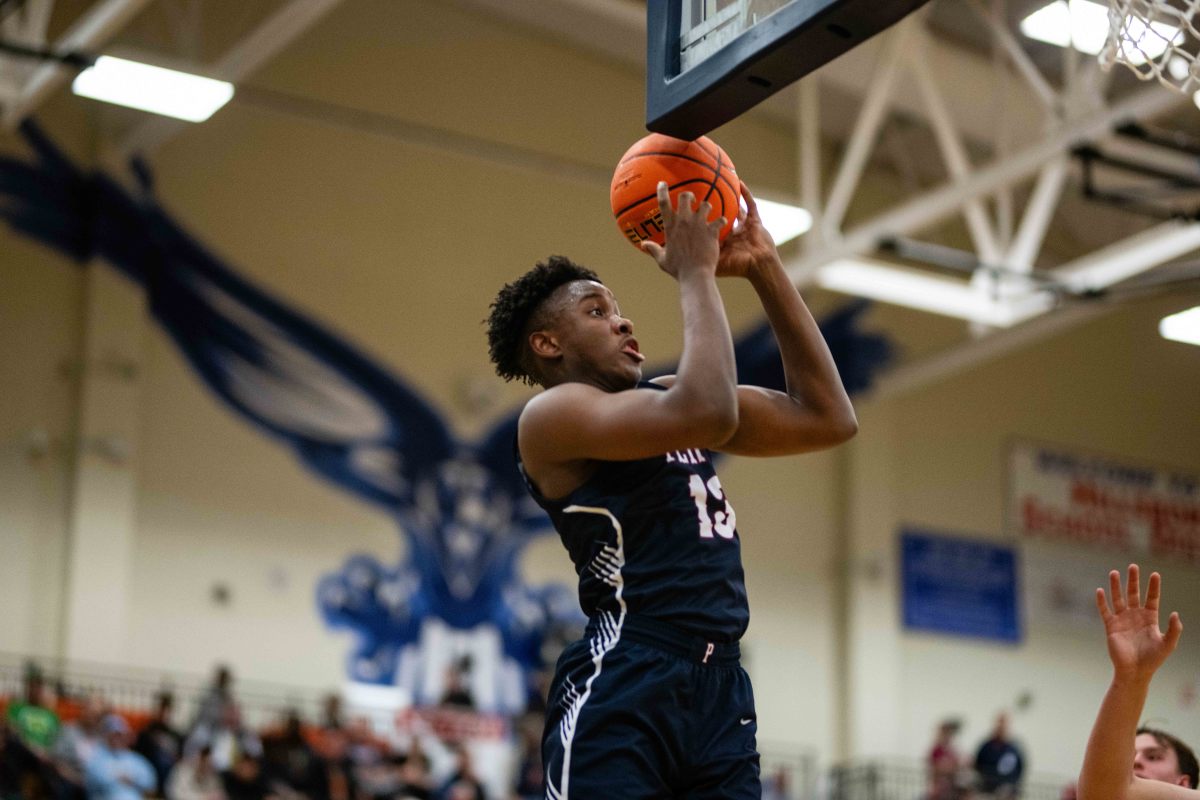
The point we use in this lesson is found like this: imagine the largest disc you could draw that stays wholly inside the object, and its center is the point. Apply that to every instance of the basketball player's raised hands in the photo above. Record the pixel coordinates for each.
(749, 245)
(692, 241)
(1136, 646)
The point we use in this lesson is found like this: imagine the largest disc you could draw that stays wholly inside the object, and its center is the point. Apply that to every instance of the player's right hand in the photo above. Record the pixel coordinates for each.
(692, 242)
(1136, 646)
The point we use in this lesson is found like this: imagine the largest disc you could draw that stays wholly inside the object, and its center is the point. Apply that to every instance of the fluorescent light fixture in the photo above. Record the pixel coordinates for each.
(1182, 327)
(784, 222)
(906, 287)
(154, 89)
(1083, 24)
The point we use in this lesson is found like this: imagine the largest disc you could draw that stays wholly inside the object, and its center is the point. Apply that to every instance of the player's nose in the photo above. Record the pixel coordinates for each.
(624, 326)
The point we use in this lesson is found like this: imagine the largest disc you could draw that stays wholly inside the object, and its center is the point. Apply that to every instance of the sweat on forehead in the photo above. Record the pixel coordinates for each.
(570, 293)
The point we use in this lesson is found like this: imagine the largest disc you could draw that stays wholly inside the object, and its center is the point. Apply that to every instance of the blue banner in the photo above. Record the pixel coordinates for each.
(959, 586)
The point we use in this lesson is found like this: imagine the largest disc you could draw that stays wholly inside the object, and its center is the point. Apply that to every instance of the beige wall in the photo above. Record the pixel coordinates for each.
(400, 246)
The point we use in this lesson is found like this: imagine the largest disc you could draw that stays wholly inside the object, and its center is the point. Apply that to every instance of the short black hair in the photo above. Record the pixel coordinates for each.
(1183, 754)
(514, 313)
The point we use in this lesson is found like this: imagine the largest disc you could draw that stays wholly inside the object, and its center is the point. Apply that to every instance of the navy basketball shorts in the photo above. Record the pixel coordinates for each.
(641, 710)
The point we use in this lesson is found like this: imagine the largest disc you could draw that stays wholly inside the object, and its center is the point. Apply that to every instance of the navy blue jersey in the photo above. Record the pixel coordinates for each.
(656, 537)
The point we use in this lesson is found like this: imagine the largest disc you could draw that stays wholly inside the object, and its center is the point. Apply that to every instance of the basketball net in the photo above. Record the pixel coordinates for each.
(1157, 40)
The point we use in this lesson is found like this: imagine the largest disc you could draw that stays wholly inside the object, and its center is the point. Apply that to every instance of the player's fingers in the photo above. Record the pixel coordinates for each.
(1153, 591)
(1133, 589)
(1174, 630)
(1114, 592)
(686, 200)
(716, 225)
(751, 206)
(704, 209)
(1102, 605)
(654, 249)
(664, 202)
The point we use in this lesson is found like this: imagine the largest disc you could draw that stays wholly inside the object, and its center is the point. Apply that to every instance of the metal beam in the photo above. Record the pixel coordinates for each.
(870, 118)
(936, 205)
(89, 33)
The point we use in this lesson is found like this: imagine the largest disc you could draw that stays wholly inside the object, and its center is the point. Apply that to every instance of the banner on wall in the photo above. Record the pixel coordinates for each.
(959, 586)
(1063, 495)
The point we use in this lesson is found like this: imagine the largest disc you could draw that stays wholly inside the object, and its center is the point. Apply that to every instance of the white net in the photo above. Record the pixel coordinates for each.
(1157, 39)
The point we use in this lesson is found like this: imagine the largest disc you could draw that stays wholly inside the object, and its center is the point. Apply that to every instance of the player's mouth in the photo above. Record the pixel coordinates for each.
(631, 349)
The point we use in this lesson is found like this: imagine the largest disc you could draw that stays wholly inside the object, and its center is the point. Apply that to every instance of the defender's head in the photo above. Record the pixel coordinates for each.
(1159, 756)
(559, 323)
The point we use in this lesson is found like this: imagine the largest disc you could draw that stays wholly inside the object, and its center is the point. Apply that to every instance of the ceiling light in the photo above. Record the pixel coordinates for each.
(784, 222)
(1182, 327)
(914, 289)
(1084, 25)
(154, 89)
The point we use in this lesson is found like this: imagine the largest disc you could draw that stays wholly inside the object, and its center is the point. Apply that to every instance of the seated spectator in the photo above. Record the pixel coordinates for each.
(288, 759)
(227, 739)
(32, 719)
(463, 784)
(998, 762)
(414, 781)
(195, 778)
(113, 771)
(10, 775)
(34, 727)
(245, 780)
(77, 742)
(161, 744)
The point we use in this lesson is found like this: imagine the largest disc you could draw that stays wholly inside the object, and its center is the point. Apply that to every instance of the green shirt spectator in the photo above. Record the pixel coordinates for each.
(37, 726)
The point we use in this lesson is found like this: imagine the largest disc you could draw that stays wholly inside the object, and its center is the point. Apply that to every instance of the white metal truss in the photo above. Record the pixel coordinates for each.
(1002, 295)
(25, 85)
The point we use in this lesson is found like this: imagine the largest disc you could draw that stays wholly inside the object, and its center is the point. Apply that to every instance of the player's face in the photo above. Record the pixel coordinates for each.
(597, 342)
(1156, 762)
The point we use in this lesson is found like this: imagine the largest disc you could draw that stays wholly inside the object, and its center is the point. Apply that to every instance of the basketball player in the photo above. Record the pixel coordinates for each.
(1154, 768)
(652, 702)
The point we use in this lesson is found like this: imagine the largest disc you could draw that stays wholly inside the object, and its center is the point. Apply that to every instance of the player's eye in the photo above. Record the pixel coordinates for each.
(597, 312)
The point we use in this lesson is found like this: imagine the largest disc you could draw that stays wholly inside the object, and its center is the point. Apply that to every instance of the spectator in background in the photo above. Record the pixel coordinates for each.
(463, 784)
(113, 771)
(944, 763)
(215, 700)
(77, 743)
(288, 759)
(245, 780)
(195, 778)
(161, 744)
(10, 775)
(331, 712)
(999, 763)
(458, 692)
(33, 728)
(32, 719)
(228, 739)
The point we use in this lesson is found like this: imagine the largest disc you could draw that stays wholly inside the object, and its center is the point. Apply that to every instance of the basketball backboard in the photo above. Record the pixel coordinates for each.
(707, 61)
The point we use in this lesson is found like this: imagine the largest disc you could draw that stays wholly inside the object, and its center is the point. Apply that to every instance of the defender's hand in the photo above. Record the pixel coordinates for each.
(749, 245)
(1136, 646)
(692, 241)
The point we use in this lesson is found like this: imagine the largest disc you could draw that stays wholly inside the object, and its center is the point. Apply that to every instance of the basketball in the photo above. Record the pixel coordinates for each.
(700, 167)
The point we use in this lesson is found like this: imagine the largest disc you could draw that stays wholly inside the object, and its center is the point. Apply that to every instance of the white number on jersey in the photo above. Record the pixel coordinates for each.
(721, 522)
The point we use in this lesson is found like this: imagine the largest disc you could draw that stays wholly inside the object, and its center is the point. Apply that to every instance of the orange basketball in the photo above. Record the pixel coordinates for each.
(700, 167)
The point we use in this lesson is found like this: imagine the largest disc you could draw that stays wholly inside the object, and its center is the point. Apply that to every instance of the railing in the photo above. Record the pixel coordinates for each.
(903, 780)
(136, 689)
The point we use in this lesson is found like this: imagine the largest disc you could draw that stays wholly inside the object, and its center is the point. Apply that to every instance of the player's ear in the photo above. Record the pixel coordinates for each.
(544, 344)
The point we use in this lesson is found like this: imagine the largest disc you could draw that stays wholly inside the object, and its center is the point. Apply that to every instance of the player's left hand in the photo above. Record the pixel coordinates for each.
(748, 246)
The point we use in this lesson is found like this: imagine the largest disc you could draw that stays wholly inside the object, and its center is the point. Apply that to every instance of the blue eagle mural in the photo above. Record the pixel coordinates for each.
(460, 505)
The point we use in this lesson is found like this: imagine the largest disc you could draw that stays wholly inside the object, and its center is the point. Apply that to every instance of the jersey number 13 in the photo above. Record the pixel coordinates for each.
(722, 522)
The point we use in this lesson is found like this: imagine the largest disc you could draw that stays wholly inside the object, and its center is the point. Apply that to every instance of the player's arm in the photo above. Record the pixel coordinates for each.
(1137, 648)
(814, 412)
(575, 421)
